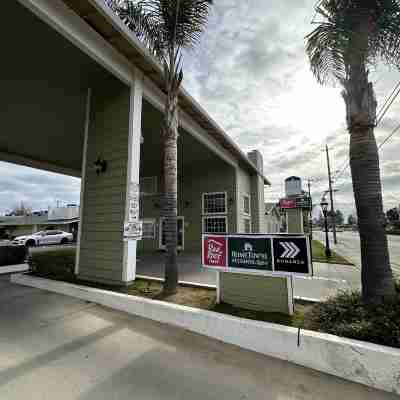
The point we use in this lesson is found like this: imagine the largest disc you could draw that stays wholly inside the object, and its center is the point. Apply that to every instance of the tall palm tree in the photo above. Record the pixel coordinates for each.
(351, 36)
(167, 27)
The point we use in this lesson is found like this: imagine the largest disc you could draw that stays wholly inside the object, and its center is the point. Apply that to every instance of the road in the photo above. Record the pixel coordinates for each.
(58, 347)
(349, 247)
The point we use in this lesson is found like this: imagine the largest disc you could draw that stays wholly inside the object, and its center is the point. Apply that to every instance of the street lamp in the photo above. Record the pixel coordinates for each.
(324, 206)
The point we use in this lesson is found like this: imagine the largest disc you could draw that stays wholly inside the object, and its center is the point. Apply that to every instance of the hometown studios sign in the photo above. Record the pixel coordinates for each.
(266, 254)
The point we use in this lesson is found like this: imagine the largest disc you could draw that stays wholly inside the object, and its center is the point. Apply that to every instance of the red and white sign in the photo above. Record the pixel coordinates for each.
(215, 252)
(287, 203)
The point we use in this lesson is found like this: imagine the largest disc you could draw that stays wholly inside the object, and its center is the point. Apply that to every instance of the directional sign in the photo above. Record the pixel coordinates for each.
(260, 254)
(291, 255)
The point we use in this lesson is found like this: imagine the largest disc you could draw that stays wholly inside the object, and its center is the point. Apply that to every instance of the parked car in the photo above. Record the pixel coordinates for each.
(44, 238)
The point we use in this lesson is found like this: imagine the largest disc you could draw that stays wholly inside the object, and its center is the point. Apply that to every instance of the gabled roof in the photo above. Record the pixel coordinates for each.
(103, 20)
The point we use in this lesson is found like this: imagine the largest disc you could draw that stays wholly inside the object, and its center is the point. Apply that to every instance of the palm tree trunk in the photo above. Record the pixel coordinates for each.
(376, 274)
(170, 211)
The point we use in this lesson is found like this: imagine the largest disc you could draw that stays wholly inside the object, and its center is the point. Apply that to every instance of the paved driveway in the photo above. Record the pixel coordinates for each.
(349, 246)
(58, 347)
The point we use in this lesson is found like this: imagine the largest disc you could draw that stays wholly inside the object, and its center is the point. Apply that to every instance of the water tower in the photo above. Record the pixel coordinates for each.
(293, 187)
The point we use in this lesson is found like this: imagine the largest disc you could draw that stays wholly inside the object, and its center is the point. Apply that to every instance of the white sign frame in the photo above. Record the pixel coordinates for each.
(259, 271)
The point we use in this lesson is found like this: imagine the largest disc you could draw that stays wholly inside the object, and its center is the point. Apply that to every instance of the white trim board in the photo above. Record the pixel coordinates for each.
(362, 362)
(37, 164)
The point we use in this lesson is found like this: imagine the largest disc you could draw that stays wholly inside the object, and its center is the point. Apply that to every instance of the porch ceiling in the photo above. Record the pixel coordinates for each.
(98, 15)
(193, 156)
(44, 81)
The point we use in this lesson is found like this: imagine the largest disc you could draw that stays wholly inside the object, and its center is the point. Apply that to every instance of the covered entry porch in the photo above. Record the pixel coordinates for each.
(92, 97)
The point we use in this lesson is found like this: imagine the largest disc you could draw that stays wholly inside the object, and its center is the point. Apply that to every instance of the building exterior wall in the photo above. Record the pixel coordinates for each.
(220, 178)
(257, 192)
(104, 196)
(243, 188)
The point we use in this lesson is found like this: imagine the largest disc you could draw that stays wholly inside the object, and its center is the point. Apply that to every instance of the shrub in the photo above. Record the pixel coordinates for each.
(346, 315)
(12, 255)
(57, 264)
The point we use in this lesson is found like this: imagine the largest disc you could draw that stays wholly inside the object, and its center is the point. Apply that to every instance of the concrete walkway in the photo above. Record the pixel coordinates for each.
(57, 347)
(328, 278)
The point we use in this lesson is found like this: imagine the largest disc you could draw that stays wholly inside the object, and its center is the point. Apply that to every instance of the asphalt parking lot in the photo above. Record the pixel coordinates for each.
(58, 347)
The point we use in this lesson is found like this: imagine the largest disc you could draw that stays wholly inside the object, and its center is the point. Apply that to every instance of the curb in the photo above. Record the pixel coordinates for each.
(361, 362)
(12, 269)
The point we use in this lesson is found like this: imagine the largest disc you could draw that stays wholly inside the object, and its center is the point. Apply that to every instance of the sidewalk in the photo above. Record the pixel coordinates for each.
(327, 281)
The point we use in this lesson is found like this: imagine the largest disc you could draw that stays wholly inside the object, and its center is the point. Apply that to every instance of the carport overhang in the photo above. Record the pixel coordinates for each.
(98, 33)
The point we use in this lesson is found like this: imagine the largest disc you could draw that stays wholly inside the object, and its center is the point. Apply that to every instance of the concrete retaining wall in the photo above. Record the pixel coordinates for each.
(361, 362)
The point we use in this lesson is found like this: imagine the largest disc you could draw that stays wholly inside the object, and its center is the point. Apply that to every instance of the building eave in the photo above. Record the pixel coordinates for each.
(108, 25)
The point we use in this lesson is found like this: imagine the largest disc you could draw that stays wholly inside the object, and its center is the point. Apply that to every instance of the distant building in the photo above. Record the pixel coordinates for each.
(59, 218)
(273, 218)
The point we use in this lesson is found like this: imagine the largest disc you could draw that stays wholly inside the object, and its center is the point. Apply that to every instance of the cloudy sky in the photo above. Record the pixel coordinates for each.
(252, 75)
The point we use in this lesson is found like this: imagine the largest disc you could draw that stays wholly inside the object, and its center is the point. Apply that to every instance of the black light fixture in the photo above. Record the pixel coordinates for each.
(324, 207)
(100, 166)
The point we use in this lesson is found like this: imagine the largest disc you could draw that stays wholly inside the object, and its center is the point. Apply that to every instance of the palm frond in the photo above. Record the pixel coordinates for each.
(165, 24)
(366, 30)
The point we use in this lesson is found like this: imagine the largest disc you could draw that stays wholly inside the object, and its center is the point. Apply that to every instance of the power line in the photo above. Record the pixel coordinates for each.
(388, 103)
(389, 137)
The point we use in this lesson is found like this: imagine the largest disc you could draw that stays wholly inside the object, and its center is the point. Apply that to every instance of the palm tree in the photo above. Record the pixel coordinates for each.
(351, 36)
(167, 27)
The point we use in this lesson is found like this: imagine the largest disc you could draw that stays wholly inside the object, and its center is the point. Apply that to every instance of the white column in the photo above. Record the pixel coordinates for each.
(83, 178)
(135, 134)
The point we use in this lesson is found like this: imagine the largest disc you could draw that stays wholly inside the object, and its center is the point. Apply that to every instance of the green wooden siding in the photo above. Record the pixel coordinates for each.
(102, 246)
(218, 177)
(254, 292)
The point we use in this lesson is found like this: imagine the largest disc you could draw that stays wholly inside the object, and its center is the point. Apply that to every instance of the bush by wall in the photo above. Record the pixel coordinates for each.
(12, 255)
(57, 264)
(345, 315)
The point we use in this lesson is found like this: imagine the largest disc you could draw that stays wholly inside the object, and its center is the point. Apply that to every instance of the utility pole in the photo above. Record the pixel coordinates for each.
(333, 214)
(309, 181)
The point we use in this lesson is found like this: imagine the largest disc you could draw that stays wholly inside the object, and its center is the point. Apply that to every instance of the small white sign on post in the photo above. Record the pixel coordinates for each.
(133, 230)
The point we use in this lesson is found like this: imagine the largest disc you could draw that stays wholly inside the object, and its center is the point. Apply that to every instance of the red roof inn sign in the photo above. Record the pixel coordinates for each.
(260, 254)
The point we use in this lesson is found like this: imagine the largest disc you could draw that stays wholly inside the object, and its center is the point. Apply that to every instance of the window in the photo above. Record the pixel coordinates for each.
(148, 186)
(247, 225)
(246, 204)
(149, 229)
(214, 203)
(215, 225)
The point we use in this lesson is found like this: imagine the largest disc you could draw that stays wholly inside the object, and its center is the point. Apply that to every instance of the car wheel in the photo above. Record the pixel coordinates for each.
(64, 241)
(30, 243)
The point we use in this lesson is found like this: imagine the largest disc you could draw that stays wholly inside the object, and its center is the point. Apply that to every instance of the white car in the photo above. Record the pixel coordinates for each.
(44, 238)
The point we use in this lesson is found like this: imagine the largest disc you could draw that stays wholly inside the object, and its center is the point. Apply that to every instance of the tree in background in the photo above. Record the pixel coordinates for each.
(351, 220)
(339, 217)
(167, 27)
(352, 35)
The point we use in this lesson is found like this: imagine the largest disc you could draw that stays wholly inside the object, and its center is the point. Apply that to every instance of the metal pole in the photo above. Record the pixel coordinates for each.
(310, 221)
(331, 196)
(327, 247)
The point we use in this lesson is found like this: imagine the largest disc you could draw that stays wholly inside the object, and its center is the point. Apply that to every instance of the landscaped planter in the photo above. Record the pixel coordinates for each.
(12, 254)
(369, 364)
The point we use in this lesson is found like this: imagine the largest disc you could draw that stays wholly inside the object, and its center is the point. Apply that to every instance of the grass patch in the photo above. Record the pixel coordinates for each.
(318, 252)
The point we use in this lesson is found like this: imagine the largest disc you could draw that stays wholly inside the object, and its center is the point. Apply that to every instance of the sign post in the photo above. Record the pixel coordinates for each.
(267, 264)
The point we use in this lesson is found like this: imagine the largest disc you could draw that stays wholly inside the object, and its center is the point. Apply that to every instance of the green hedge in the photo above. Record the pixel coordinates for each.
(12, 254)
(58, 264)
(345, 315)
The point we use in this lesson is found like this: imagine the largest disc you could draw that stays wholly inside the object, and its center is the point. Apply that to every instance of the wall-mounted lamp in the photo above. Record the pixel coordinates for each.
(100, 166)
(231, 201)
(187, 203)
